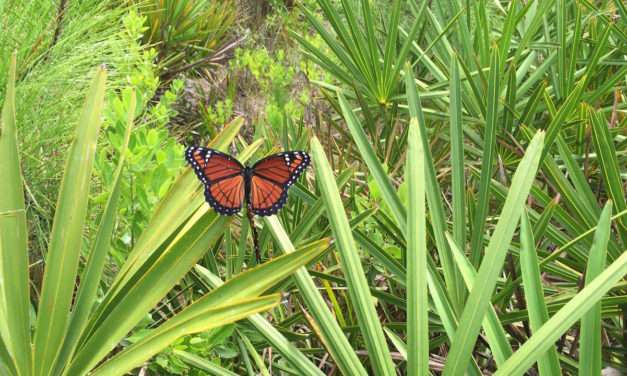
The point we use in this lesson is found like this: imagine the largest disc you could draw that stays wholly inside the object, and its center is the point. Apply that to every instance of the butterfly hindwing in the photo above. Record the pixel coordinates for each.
(271, 178)
(222, 176)
(266, 197)
(226, 196)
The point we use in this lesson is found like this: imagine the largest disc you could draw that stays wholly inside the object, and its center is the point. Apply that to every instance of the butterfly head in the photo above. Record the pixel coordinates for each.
(247, 172)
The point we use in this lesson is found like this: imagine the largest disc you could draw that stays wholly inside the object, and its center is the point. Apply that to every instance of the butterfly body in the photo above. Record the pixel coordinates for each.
(230, 185)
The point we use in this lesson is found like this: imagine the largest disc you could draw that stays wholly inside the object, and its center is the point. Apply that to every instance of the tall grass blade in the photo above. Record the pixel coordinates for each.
(417, 298)
(576, 174)
(106, 330)
(508, 28)
(590, 338)
(495, 334)
(14, 283)
(66, 237)
(330, 331)
(358, 289)
(392, 77)
(370, 157)
(488, 159)
(480, 296)
(549, 363)
(92, 275)
(458, 180)
(454, 282)
(565, 110)
(401, 347)
(561, 15)
(215, 317)
(298, 360)
(202, 364)
(610, 167)
(246, 285)
(261, 366)
(7, 365)
(563, 319)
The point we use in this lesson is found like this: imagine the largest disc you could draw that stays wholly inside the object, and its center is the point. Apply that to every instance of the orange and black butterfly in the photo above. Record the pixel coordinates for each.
(262, 188)
(229, 185)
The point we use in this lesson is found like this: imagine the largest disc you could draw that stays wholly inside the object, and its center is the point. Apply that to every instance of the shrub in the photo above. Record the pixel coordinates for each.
(186, 34)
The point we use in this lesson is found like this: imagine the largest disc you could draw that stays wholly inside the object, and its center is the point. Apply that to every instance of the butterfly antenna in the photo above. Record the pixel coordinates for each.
(251, 222)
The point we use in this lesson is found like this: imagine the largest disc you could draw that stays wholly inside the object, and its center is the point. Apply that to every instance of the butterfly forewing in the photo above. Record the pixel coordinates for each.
(282, 168)
(211, 165)
(266, 197)
(222, 176)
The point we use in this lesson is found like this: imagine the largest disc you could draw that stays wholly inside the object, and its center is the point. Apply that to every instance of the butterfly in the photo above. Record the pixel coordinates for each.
(229, 185)
(262, 188)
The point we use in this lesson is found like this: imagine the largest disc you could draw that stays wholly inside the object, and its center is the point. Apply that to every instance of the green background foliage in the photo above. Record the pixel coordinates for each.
(465, 212)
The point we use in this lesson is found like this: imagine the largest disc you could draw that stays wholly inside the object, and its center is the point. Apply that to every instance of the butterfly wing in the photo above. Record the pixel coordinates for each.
(271, 178)
(222, 176)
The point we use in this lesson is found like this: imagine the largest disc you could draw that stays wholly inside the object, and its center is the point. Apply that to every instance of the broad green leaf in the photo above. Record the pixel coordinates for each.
(488, 160)
(480, 296)
(146, 290)
(590, 361)
(92, 275)
(67, 230)
(214, 317)
(202, 364)
(561, 321)
(610, 167)
(279, 342)
(328, 328)
(538, 314)
(417, 290)
(14, 285)
(495, 333)
(358, 290)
